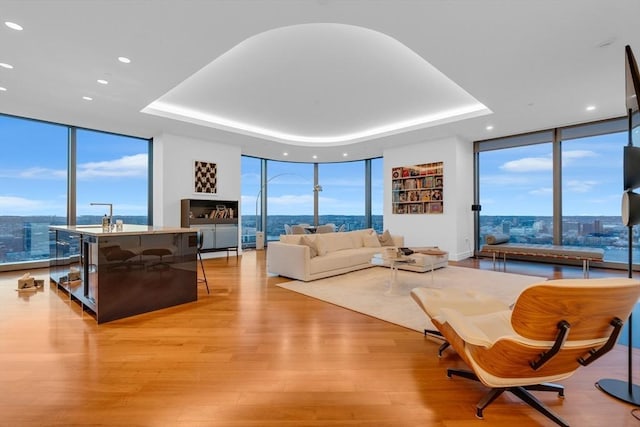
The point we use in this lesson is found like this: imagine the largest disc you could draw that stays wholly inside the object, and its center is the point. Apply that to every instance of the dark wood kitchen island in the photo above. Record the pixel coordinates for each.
(116, 274)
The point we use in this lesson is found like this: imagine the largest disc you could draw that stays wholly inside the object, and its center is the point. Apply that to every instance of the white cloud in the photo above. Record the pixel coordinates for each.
(545, 163)
(542, 191)
(504, 179)
(291, 200)
(127, 166)
(529, 164)
(577, 154)
(578, 186)
(13, 205)
(34, 173)
(13, 201)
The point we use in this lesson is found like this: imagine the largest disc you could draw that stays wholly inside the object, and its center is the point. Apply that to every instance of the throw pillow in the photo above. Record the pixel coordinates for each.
(304, 240)
(386, 239)
(496, 239)
(321, 245)
(370, 241)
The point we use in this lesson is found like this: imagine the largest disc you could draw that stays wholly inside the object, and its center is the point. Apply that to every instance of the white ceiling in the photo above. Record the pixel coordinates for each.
(533, 64)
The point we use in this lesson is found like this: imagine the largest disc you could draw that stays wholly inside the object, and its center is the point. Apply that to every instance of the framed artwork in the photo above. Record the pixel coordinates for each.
(205, 177)
(418, 189)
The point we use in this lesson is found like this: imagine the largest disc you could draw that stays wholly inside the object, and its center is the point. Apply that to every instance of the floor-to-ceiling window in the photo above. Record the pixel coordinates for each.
(111, 169)
(338, 192)
(289, 195)
(592, 188)
(250, 199)
(33, 187)
(49, 173)
(342, 199)
(377, 194)
(562, 186)
(516, 191)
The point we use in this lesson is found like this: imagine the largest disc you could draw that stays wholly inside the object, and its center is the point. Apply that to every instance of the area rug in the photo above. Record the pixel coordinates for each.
(365, 291)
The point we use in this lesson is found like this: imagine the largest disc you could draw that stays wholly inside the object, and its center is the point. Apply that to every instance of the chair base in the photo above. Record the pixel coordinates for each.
(438, 335)
(521, 392)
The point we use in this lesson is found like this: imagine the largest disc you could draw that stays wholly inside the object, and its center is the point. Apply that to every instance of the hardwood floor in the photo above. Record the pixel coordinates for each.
(254, 354)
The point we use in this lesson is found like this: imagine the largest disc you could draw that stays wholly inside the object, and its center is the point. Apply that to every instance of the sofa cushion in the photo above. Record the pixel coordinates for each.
(386, 239)
(304, 240)
(370, 241)
(345, 258)
(337, 241)
(321, 245)
(293, 239)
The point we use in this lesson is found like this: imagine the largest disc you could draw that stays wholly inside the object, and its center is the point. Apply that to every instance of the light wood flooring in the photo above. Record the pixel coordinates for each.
(254, 354)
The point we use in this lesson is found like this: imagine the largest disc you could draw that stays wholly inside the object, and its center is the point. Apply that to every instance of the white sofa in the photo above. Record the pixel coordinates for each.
(335, 253)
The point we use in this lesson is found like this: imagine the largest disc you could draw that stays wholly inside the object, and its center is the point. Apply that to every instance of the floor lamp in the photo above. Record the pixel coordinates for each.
(626, 390)
(263, 189)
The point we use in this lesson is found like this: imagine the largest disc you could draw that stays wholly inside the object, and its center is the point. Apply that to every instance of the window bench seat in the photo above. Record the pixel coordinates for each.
(584, 254)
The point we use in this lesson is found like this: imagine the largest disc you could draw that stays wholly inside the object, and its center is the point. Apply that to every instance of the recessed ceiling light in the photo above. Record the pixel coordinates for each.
(3, 89)
(5, 65)
(591, 107)
(344, 154)
(285, 154)
(13, 25)
(124, 59)
(490, 127)
(315, 157)
(87, 98)
(103, 82)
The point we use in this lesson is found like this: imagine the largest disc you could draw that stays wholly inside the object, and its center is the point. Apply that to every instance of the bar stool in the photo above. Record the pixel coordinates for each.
(199, 247)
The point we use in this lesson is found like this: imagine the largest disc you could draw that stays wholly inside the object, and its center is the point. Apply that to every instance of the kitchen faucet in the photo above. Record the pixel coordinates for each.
(110, 209)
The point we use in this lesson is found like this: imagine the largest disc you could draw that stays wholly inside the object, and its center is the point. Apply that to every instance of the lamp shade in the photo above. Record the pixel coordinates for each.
(630, 208)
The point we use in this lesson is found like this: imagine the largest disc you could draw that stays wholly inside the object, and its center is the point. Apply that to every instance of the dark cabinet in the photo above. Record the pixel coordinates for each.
(216, 220)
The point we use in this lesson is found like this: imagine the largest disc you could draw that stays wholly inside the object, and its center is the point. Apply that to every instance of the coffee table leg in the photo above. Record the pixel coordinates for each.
(431, 272)
(392, 279)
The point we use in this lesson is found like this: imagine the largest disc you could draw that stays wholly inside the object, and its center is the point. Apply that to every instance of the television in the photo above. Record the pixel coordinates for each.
(631, 157)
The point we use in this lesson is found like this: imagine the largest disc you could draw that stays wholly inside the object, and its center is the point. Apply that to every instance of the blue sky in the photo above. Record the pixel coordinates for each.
(519, 181)
(33, 169)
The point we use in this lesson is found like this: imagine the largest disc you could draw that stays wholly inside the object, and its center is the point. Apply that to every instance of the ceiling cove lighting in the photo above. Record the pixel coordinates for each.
(405, 93)
(124, 60)
(13, 25)
(201, 118)
(5, 65)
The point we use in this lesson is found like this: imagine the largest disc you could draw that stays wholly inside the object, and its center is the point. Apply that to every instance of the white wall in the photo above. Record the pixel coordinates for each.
(453, 229)
(173, 158)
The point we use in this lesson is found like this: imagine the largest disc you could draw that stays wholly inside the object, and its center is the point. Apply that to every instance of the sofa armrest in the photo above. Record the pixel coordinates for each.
(288, 260)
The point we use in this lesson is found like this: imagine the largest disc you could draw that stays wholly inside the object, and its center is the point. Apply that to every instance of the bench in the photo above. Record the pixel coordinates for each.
(584, 254)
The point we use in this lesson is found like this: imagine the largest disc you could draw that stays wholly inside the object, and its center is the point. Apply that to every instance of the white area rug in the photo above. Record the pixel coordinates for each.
(364, 290)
